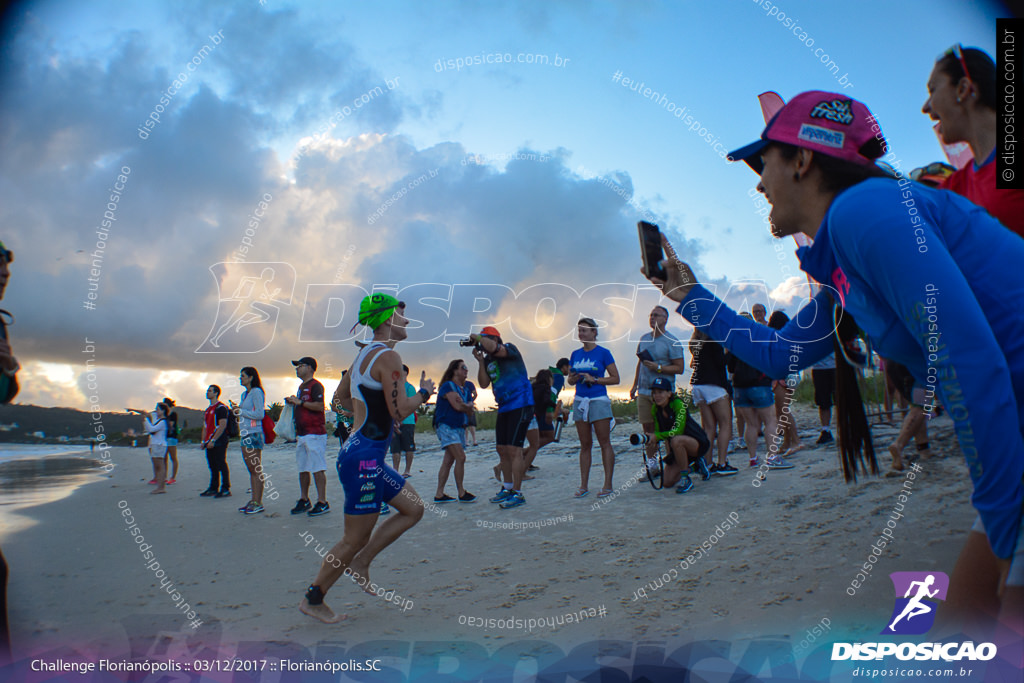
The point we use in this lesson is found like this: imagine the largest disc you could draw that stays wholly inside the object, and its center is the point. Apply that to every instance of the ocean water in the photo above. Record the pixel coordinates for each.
(36, 474)
(21, 451)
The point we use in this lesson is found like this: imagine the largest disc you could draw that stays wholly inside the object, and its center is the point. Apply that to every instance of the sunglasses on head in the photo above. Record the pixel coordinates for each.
(857, 351)
(958, 52)
(936, 168)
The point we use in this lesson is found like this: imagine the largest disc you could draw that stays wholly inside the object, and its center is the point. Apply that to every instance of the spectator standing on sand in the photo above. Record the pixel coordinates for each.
(172, 440)
(215, 442)
(311, 437)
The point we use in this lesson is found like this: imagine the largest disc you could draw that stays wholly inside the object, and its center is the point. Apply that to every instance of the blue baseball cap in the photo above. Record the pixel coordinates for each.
(663, 383)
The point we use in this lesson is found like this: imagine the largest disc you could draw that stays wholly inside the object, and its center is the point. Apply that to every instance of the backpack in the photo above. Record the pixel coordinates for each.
(233, 419)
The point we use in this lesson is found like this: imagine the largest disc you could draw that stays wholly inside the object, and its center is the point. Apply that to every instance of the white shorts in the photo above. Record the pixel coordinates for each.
(309, 452)
(707, 393)
(1016, 576)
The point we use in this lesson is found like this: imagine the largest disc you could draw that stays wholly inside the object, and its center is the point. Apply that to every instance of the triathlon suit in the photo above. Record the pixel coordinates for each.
(365, 476)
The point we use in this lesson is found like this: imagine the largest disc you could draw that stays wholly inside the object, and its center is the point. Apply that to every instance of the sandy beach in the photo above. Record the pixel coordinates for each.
(777, 559)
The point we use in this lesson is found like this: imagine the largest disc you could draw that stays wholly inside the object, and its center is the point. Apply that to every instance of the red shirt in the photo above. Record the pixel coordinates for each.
(210, 422)
(310, 421)
(979, 185)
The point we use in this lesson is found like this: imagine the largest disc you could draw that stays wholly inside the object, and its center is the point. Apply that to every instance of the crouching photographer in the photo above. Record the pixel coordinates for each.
(684, 444)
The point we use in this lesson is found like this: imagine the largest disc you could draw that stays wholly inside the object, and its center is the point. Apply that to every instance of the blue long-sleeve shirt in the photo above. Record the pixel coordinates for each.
(936, 284)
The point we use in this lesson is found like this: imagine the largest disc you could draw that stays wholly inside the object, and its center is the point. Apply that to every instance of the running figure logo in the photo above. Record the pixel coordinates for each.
(247, 318)
(914, 612)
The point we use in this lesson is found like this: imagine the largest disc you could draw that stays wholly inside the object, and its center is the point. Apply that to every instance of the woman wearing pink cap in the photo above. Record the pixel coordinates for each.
(932, 280)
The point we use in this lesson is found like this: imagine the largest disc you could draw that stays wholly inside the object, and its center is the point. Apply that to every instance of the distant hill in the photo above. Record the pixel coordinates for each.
(77, 426)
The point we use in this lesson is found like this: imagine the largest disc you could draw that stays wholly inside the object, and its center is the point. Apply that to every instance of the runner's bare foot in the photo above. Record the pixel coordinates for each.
(321, 612)
(360, 575)
(158, 491)
(497, 472)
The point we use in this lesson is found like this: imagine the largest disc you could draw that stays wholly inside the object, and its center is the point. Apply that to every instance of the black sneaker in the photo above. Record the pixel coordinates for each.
(726, 470)
(443, 498)
(222, 494)
(467, 497)
(319, 509)
(532, 468)
(301, 505)
(207, 493)
(826, 437)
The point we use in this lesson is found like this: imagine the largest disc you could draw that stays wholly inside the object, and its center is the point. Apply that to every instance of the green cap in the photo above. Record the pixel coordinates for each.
(374, 310)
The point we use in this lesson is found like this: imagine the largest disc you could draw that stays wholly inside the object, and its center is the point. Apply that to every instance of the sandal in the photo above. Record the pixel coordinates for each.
(580, 492)
(605, 493)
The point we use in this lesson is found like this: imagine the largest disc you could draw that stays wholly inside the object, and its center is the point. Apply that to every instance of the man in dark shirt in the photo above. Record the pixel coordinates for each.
(311, 435)
(215, 442)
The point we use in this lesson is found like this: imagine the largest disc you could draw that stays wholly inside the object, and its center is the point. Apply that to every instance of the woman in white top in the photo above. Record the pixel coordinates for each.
(250, 427)
(155, 424)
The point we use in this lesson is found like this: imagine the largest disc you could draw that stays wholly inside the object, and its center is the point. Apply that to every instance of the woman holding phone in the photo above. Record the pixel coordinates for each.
(592, 371)
(931, 279)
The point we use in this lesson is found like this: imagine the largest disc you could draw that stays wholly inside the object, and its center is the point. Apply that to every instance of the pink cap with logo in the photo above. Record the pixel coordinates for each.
(824, 122)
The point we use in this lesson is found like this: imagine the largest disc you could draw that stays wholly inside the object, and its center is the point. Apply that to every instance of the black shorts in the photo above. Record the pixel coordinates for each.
(403, 441)
(510, 429)
(824, 386)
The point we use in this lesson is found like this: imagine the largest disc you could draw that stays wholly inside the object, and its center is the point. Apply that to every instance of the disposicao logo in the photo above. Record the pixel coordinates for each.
(917, 595)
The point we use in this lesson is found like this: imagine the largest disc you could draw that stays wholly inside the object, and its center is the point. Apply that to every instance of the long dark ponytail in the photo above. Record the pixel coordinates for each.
(856, 449)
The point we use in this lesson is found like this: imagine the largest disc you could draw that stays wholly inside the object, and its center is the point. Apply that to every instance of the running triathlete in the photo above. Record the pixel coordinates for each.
(374, 391)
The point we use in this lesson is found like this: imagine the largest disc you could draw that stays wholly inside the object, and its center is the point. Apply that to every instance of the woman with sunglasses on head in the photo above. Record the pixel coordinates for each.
(962, 98)
(592, 370)
(452, 406)
(373, 389)
(934, 284)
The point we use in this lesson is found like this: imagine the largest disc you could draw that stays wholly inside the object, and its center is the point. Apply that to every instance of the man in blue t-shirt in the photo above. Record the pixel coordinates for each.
(502, 366)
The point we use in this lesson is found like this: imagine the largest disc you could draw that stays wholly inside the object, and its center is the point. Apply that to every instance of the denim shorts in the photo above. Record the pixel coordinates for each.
(253, 442)
(449, 436)
(753, 397)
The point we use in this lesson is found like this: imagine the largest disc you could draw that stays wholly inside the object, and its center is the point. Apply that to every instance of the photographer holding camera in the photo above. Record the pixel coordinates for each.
(502, 366)
(668, 413)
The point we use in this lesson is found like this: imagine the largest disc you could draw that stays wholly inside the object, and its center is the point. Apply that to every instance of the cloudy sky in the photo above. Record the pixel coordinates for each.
(487, 160)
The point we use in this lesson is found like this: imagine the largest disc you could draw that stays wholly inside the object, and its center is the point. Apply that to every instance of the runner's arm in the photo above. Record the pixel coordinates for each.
(387, 369)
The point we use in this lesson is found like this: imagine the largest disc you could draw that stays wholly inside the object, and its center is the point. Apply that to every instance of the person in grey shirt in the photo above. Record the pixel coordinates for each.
(666, 360)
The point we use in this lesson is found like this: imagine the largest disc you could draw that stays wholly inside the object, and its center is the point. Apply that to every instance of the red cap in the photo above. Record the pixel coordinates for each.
(491, 332)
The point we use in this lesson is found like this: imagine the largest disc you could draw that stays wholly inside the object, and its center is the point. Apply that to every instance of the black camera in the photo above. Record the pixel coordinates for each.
(467, 342)
(638, 439)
